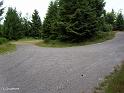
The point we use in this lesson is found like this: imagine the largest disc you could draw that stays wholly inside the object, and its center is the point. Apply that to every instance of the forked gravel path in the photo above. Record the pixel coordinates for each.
(33, 69)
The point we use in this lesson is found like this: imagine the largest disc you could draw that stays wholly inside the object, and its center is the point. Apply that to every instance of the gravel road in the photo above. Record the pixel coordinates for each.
(32, 69)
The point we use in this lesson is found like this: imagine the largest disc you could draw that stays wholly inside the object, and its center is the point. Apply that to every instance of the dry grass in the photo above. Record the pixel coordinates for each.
(114, 83)
(22, 42)
(7, 47)
(97, 39)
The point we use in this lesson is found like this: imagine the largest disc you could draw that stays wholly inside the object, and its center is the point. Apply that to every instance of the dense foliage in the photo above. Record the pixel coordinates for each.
(50, 22)
(110, 18)
(74, 20)
(1, 10)
(3, 40)
(12, 25)
(26, 26)
(15, 27)
(36, 25)
(66, 20)
(120, 22)
(116, 20)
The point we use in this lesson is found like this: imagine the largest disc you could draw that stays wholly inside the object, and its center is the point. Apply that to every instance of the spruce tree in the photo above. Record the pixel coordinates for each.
(26, 25)
(110, 18)
(12, 25)
(120, 22)
(50, 21)
(1, 10)
(36, 25)
(79, 19)
(1, 30)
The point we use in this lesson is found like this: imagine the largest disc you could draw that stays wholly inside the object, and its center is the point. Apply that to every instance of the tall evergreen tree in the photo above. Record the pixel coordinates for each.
(12, 25)
(50, 21)
(110, 17)
(1, 10)
(36, 25)
(1, 30)
(79, 19)
(120, 22)
(26, 25)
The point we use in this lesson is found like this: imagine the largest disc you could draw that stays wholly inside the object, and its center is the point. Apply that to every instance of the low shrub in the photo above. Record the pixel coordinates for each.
(107, 28)
(3, 40)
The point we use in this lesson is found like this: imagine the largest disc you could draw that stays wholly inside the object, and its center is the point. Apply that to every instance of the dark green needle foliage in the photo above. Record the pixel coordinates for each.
(36, 25)
(80, 19)
(110, 17)
(50, 22)
(1, 10)
(12, 25)
(15, 27)
(74, 20)
(120, 22)
(26, 26)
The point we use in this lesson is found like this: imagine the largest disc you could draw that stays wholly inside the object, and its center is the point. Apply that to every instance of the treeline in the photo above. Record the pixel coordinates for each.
(79, 20)
(116, 20)
(74, 20)
(66, 20)
(16, 27)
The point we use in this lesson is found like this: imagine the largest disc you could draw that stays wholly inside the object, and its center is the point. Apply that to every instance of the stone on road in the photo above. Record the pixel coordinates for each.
(32, 69)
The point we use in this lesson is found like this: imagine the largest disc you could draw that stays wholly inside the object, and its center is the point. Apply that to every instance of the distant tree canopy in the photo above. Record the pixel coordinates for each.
(26, 26)
(116, 20)
(111, 17)
(75, 20)
(15, 27)
(120, 22)
(66, 20)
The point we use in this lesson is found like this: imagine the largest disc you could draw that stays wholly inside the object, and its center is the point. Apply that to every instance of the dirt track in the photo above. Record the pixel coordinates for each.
(32, 69)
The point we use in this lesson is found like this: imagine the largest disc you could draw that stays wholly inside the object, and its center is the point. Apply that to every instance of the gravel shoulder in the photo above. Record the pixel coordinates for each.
(32, 69)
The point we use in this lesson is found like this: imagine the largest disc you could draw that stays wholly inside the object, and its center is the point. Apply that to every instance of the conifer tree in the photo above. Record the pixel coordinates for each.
(79, 19)
(1, 10)
(120, 22)
(50, 21)
(26, 25)
(36, 25)
(110, 18)
(12, 25)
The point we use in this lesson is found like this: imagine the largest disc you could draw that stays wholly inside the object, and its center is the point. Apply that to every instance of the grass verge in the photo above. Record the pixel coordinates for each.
(7, 47)
(101, 37)
(26, 41)
(114, 83)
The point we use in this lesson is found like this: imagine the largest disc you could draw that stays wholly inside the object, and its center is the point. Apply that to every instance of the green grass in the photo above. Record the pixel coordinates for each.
(3, 40)
(7, 47)
(114, 83)
(101, 37)
(26, 41)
